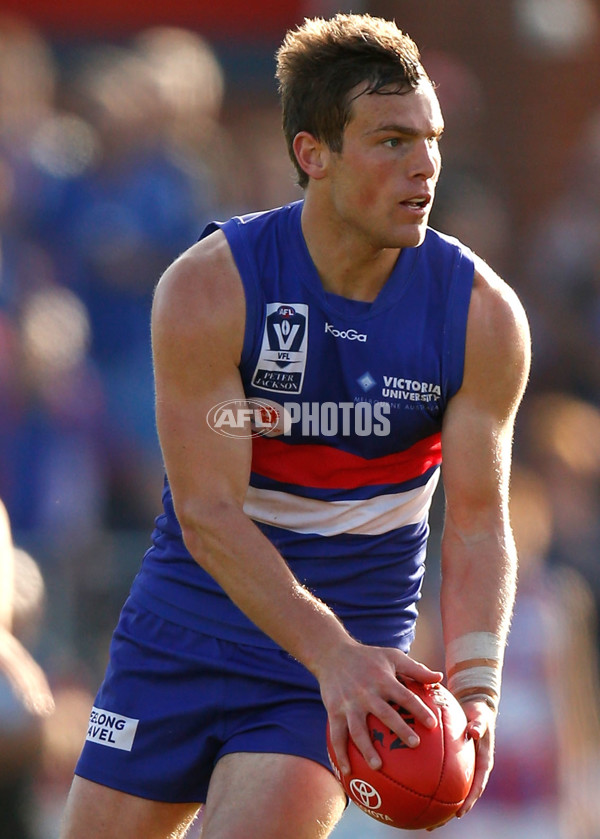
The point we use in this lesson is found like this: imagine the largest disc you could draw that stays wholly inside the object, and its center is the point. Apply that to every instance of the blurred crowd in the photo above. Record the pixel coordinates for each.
(112, 159)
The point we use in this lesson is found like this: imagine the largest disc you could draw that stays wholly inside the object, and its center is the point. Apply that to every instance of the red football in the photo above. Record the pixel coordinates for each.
(415, 788)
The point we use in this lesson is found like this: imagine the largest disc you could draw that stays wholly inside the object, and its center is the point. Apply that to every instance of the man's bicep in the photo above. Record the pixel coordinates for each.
(479, 422)
(197, 334)
(202, 464)
(476, 449)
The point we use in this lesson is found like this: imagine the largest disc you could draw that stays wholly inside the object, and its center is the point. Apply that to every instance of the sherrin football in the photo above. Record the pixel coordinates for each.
(420, 787)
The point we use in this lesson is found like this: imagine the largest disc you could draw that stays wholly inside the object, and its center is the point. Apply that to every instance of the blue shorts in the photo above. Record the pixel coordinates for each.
(174, 701)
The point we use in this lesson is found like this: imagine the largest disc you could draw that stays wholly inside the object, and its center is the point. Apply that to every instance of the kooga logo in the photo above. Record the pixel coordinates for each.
(348, 334)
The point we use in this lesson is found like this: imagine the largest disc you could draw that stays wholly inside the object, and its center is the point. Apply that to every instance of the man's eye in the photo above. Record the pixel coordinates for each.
(392, 142)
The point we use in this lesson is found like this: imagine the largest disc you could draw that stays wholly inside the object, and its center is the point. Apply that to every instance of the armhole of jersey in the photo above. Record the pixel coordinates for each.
(250, 284)
(455, 332)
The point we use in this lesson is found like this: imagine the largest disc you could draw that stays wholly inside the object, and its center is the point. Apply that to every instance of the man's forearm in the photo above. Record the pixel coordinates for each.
(232, 549)
(477, 599)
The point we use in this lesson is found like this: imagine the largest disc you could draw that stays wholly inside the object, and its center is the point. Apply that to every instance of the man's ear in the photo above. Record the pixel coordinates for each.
(312, 155)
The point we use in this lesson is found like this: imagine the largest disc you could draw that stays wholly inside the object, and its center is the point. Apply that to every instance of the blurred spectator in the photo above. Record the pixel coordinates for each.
(54, 436)
(101, 210)
(43, 330)
(563, 277)
(468, 208)
(28, 82)
(559, 436)
(468, 202)
(191, 83)
(269, 177)
(120, 223)
(557, 28)
(464, 106)
(63, 734)
(25, 696)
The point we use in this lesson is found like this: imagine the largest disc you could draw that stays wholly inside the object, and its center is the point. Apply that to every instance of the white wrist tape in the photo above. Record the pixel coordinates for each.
(474, 665)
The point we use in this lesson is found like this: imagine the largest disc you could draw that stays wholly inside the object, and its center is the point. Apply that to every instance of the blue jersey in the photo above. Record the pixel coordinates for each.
(343, 485)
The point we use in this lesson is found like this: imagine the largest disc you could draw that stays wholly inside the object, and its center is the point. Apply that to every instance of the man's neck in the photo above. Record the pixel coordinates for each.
(347, 265)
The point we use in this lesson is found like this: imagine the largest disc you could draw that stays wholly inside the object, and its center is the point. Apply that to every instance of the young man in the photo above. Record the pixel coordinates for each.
(284, 574)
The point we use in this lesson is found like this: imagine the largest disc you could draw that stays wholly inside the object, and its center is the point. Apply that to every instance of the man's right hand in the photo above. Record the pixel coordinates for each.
(357, 680)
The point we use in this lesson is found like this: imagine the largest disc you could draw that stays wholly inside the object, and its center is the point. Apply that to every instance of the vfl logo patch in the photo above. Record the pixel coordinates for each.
(110, 729)
(282, 359)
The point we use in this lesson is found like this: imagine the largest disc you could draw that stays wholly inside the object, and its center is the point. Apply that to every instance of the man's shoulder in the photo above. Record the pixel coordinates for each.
(253, 224)
(448, 262)
(436, 241)
(499, 339)
(201, 287)
(497, 299)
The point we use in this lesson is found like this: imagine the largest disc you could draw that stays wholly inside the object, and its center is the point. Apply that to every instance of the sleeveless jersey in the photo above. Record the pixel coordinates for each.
(344, 488)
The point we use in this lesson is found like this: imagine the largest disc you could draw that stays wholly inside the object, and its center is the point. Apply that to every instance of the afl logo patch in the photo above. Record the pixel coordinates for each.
(282, 360)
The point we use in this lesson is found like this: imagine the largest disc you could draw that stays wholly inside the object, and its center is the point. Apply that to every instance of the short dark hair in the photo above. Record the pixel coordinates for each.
(321, 61)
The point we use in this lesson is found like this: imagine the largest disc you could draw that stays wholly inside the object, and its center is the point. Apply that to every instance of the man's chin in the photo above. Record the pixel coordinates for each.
(413, 238)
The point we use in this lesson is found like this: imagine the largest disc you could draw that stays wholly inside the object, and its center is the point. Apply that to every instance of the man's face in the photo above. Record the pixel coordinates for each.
(383, 181)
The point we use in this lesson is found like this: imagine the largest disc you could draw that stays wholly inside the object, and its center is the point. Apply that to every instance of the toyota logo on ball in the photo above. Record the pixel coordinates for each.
(365, 794)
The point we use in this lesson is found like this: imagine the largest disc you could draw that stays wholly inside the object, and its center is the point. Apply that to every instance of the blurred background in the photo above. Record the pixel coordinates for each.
(124, 128)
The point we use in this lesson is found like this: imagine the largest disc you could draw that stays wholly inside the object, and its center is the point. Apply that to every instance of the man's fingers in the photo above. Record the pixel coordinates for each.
(412, 669)
(483, 764)
(477, 788)
(431, 829)
(403, 696)
(475, 730)
(358, 730)
(361, 736)
(399, 725)
(338, 735)
(379, 700)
